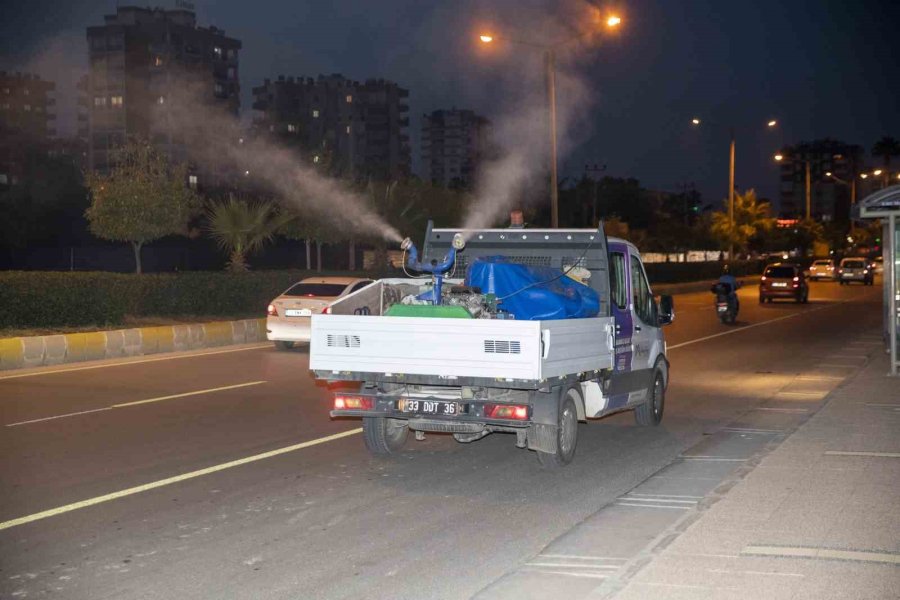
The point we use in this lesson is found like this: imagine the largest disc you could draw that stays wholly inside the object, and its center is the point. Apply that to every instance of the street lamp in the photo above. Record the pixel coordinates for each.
(771, 125)
(779, 158)
(549, 50)
(851, 183)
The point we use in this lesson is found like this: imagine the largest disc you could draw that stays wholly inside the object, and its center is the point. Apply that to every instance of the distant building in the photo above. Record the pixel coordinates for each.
(352, 129)
(454, 143)
(27, 118)
(829, 196)
(139, 57)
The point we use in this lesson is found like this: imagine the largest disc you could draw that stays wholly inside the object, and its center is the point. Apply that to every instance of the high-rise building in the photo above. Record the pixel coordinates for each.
(454, 142)
(350, 128)
(829, 195)
(139, 59)
(26, 120)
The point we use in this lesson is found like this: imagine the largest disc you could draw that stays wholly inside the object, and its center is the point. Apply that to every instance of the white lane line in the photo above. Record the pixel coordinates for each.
(713, 459)
(805, 552)
(171, 480)
(575, 565)
(783, 410)
(763, 573)
(659, 500)
(583, 557)
(760, 324)
(869, 454)
(74, 414)
(653, 506)
(633, 494)
(173, 396)
(566, 573)
(134, 362)
(751, 430)
(125, 404)
(888, 405)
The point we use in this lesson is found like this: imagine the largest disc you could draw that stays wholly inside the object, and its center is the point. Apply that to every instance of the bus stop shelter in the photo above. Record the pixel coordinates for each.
(885, 205)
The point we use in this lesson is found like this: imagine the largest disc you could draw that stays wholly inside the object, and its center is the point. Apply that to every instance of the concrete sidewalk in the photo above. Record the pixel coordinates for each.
(797, 498)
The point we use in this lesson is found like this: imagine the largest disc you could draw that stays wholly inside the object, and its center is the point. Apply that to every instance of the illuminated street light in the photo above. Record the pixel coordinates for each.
(876, 172)
(487, 39)
(613, 21)
(695, 121)
(827, 173)
(863, 175)
(779, 157)
(772, 123)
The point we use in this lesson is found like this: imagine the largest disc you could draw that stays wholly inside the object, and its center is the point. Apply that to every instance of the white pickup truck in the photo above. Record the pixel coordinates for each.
(473, 376)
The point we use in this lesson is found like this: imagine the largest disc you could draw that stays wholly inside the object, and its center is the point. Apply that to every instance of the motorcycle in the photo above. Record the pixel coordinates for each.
(726, 303)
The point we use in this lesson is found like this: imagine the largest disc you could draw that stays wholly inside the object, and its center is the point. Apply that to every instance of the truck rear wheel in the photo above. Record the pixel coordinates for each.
(384, 436)
(566, 434)
(650, 413)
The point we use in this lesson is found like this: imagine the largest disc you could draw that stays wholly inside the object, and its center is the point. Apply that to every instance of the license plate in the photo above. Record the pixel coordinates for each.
(779, 284)
(298, 312)
(848, 275)
(428, 407)
(722, 307)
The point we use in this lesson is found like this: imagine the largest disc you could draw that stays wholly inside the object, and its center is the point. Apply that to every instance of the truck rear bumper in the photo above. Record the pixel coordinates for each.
(437, 424)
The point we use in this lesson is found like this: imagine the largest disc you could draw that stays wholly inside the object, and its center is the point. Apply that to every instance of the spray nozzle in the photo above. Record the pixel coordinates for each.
(406, 244)
(459, 242)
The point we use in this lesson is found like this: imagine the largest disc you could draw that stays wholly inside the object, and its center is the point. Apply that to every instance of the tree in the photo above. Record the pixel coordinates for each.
(143, 198)
(241, 228)
(752, 217)
(887, 147)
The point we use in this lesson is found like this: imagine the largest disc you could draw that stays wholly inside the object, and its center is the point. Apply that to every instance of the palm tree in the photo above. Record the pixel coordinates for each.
(751, 217)
(241, 228)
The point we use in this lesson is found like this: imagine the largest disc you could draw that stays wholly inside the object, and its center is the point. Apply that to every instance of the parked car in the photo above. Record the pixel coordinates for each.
(855, 269)
(822, 269)
(783, 280)
(288, 315)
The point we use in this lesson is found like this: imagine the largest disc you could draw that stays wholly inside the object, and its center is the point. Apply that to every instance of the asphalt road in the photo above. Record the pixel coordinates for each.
(133, 496)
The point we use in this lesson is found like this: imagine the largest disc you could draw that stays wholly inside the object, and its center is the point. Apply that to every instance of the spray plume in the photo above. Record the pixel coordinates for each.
(213, 137)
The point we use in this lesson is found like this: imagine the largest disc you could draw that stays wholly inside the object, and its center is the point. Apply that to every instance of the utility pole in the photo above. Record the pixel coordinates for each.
(593, 171)
(808, 194)
(731, 195)
(550, 61)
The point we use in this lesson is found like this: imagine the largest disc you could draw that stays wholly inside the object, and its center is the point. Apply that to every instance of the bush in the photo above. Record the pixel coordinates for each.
(683, 272)
(56, 299)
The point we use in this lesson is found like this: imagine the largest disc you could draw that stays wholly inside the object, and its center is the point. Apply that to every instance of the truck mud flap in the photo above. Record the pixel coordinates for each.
(444, 426)
(542, 437)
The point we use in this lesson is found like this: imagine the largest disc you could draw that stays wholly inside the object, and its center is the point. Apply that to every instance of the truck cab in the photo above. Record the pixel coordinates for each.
(494, 372)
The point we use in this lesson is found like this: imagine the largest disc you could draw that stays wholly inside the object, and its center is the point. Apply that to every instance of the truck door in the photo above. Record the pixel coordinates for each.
(624, 324)
(645, 329)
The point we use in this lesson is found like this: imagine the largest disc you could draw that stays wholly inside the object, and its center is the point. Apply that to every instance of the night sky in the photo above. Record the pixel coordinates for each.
(822, 68)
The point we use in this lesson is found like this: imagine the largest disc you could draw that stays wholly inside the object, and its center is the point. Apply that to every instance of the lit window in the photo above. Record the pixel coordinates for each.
(292, 128)
(315, 114)
(157, 62)
(116, 101)
(99, 100)
(349, 99)
(4, 179)
(192, 181)
(218, 51)
(161, 100)
(27, 108)
(316, 159)
(219, 88)
(348, 129)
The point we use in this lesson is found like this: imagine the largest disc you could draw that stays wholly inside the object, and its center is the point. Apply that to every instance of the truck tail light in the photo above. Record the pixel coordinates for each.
(271, 311)
(518, 412)
(352, 402)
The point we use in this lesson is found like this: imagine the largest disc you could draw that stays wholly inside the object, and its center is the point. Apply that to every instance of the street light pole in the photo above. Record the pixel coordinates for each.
(550, 64)
(808, 194)
(731, 193)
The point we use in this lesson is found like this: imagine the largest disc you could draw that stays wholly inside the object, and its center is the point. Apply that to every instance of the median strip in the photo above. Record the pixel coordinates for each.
(135, 403)
(171, 480)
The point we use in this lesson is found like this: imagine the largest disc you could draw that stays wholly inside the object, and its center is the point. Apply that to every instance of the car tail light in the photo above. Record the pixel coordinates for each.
(327, 310)
(352, 402)
(763, 278)
(865, 271)
(271, 311)
(796, 279)
(517, 412)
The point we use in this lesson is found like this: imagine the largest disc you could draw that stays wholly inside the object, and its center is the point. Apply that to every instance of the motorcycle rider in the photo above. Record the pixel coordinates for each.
(730, 280)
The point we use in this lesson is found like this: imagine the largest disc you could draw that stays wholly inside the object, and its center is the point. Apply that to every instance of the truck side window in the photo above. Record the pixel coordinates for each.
(644, 305)
(617, 279)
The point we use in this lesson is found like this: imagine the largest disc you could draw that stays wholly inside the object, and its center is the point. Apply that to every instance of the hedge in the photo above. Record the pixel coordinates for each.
(57, 299)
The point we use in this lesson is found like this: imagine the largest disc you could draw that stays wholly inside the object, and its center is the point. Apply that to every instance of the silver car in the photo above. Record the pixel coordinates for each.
(822, 269)
(288, 315)
(855, 269)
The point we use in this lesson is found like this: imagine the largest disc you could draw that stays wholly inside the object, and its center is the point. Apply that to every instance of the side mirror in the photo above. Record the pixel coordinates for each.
(666, 310)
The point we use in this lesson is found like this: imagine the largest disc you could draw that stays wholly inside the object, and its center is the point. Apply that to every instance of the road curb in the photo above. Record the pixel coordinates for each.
(42, 350)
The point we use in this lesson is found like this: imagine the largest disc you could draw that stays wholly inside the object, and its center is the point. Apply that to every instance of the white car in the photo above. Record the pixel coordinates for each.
(822, 269)
(288, 315)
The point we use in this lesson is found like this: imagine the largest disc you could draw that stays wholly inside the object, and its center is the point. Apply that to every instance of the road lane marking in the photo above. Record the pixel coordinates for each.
(126, 404)
(566, 573)
(74, 414)
(783, 410)
(760, 324)
(653, 506)
(176, 479)
(173, 396)
(134, 362)
(805, 552)
(869, 454)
